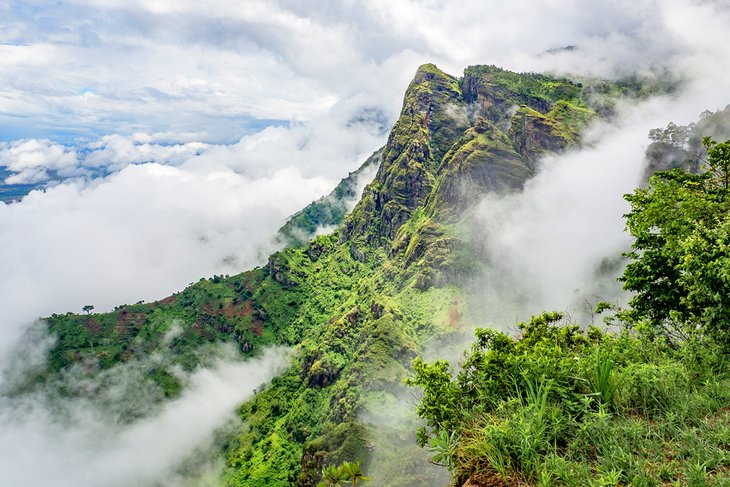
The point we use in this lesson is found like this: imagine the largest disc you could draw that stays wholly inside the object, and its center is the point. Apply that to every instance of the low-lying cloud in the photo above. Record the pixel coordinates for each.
(557, 245)
(140, 234)
(70, 442)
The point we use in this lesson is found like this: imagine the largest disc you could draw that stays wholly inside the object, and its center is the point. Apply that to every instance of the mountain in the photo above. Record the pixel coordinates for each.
(358, 304)
(328, 212)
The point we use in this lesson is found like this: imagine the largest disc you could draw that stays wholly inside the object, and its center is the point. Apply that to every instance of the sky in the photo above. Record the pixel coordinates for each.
(176, 136)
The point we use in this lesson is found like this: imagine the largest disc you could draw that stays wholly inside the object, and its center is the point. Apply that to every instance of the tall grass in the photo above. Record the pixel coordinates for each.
(610, 410)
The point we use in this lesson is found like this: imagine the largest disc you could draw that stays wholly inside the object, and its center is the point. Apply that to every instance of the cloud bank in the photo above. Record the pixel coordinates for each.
(557, 245)
(89, 68)
(71, 442)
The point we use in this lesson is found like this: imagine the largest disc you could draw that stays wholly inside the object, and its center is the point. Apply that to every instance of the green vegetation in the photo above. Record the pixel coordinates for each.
(357, 330)
(562, 406)
(360, 304)
(329, 211)
(212, 310)
(537, 91)
(337, 476)
(680, 267)
(645, 404)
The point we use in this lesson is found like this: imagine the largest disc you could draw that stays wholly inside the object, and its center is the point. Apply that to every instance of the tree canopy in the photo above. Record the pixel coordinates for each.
(680, 259)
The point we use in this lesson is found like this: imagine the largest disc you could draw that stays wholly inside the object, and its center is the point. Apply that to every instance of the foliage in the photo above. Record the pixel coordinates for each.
(680, 268)
(674, 135)
(443, 447)
(564, 406)
(334, 476)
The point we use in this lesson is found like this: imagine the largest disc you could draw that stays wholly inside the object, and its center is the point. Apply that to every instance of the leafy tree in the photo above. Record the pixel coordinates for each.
(680, 269)
(718, 162)
(674, 135)
(440, 402)
(88, 308)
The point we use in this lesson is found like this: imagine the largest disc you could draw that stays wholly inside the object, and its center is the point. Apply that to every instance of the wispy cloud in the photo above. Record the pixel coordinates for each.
(68, 441)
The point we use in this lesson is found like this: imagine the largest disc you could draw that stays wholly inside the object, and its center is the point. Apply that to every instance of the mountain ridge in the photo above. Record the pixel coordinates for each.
(359, 303)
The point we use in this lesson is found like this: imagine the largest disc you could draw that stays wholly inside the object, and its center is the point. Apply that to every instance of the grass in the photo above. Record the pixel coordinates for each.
(560, 406)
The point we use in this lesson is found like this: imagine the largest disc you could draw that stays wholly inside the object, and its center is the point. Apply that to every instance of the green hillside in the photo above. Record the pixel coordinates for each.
(360, 304)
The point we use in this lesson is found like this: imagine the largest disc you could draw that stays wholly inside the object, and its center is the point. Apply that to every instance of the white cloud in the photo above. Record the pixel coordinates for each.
(192, 65)
(544, 245)
(142, 233)
(72, 442)
(30, 159)
(118, 151)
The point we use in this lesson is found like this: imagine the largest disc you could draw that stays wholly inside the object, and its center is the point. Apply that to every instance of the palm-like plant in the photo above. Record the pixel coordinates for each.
(333, 476)
(337, 476)
(353, 472)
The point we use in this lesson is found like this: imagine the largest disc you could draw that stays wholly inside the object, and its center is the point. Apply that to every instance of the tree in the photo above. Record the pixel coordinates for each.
(353, 472)
(88, 308)
(674, 135)
(718, 162)
(680, 258)
(333, 476)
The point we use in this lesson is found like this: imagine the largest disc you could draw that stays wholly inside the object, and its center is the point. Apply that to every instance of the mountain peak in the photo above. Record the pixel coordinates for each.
(457, 138)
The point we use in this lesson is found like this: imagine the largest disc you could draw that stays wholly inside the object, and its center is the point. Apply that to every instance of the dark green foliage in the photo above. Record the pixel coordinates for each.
(169, 384)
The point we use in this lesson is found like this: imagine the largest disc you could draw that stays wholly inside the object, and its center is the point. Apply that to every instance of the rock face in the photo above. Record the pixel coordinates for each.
(432, 118)
(458, 138)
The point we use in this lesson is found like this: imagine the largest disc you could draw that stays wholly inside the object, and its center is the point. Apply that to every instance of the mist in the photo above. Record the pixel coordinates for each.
(67, 441)
(558, 244)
